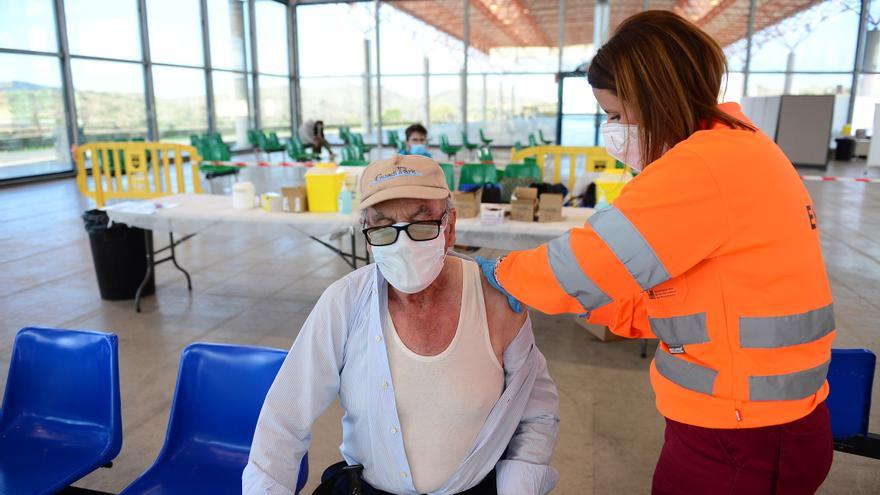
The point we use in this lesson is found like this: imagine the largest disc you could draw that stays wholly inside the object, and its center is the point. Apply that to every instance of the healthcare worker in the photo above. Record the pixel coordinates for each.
(714, 249)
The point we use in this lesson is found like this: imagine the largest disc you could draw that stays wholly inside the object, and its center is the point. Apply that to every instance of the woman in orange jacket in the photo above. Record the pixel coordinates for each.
(714, 249)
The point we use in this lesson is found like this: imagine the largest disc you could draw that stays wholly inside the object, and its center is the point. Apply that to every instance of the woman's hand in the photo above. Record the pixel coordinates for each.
(487, 267)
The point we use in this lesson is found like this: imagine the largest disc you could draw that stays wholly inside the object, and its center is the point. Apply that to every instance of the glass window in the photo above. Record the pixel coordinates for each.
(821, 38)
(103, 29)
(28, 25)
(514, 106)
(181, 108)
(175, 32)
(231, 106)
(275, 103)
(820, 84)
(580, 113)
(335, 100)
(109, 100)
(331, 39)
(33, 134)
(766, 84)
(732, 87)
(445, 107)
(228, 33)
(403, 101)
(866, 103)
(271, 37)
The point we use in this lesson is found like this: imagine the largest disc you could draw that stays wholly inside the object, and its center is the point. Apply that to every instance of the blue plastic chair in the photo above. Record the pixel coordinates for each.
(851, 377)
(61, 417)
(220, 391)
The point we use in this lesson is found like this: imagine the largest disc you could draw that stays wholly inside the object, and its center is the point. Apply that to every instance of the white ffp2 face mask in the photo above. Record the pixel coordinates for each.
(411, 266)
(622, 142)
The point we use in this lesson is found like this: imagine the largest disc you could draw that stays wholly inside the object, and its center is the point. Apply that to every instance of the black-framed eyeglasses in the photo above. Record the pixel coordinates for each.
(386, 235)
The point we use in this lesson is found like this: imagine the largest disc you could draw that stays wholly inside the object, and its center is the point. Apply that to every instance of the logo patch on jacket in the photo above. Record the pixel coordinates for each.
(811, 214)
(662, 293)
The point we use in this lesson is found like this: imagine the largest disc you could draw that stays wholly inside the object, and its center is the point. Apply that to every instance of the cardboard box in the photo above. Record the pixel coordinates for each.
(295, 199)
(524, 204)
(550, 207)
(491, 215)
(467, 204)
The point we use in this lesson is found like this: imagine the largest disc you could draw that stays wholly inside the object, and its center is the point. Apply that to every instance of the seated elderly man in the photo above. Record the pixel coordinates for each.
(443, 388)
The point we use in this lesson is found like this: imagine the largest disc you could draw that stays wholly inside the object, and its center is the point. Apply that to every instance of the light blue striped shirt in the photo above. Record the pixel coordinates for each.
(340, 351)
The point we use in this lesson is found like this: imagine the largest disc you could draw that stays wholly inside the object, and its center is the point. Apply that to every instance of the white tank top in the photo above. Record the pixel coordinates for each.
(443, 400)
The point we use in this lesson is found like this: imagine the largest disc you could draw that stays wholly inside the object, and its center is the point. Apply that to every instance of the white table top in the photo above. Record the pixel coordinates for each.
(213, 214)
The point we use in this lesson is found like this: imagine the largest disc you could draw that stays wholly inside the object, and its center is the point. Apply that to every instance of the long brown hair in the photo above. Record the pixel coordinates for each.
(669, 73)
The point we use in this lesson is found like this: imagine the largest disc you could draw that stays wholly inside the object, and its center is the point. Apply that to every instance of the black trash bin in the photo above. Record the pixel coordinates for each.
(846, 149)
(120, 256)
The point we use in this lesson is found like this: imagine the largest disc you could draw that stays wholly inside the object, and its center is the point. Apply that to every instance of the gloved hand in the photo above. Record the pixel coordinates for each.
(488, 269)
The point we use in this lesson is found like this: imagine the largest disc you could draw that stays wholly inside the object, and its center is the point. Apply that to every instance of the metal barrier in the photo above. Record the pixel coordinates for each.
(595, 159)
(136, 170)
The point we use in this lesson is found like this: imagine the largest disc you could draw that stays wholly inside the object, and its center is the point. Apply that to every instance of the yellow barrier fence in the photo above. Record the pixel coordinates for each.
(136, 170)
(594, 158)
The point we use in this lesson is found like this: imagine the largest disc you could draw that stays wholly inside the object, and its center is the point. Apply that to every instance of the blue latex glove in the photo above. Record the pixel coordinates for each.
(488, 269)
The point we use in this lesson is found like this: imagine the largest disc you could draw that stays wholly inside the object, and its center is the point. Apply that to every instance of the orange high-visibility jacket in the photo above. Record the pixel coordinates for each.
(714, 249)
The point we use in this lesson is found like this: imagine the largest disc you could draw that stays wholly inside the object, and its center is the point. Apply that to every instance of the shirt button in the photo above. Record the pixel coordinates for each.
(384, 384)
(403, 475)
(378, 338)
(393, 430)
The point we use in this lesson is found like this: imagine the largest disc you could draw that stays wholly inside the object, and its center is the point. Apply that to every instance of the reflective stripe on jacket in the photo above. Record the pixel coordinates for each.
(714, 249)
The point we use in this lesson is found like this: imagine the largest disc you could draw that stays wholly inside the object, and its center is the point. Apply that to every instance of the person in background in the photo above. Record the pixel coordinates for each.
(417, 140)
(311, 132)
(443, 388)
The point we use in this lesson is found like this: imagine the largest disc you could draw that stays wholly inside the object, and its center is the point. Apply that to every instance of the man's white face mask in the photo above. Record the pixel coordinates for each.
(411, 266)
(622, 142)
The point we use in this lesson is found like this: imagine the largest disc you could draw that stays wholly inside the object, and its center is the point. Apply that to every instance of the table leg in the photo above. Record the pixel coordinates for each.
(148, 239)
(174, 260)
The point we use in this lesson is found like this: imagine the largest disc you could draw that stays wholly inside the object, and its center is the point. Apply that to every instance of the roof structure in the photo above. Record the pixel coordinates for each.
(508, 23)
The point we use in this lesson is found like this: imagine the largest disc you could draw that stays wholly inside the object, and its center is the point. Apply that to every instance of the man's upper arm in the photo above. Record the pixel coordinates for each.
(504, 323)
(306, 384)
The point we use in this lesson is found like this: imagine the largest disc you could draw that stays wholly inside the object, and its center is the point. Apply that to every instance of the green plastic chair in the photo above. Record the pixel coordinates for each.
(523, 171)
(464, 141)
(478, 174)
(484, 139)
(449, 172)
(297, 151)
(447, 148)
(359, 141)
(352, 156)
(345, 134)
(544, 140)
(485, 155)
(218, 151)
(273, 143)
(393, 139)
(253, 138)
(533, 143)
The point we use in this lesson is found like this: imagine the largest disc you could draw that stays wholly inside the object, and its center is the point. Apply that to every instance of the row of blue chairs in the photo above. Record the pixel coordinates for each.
(61, 418)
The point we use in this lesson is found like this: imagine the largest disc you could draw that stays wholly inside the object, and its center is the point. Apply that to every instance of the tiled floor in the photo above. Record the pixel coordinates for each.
(259, 290)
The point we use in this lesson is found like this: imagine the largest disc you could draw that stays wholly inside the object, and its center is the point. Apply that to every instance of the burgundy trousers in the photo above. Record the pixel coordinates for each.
(789, 459)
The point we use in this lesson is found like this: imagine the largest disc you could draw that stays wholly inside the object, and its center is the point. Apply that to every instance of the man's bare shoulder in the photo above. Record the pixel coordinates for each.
(504, 323)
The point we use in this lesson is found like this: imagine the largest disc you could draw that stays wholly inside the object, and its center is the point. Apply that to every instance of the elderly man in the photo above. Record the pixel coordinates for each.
(443, 388)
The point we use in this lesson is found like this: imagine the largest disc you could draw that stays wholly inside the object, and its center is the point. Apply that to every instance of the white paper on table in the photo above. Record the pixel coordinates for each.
(139, 207)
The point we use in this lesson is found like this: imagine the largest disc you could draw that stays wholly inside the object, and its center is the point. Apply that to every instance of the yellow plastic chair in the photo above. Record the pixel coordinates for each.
(595, 159)
(136, 170)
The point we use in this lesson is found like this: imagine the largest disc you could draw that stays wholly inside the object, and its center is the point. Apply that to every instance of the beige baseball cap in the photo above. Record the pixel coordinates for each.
(404, 176)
